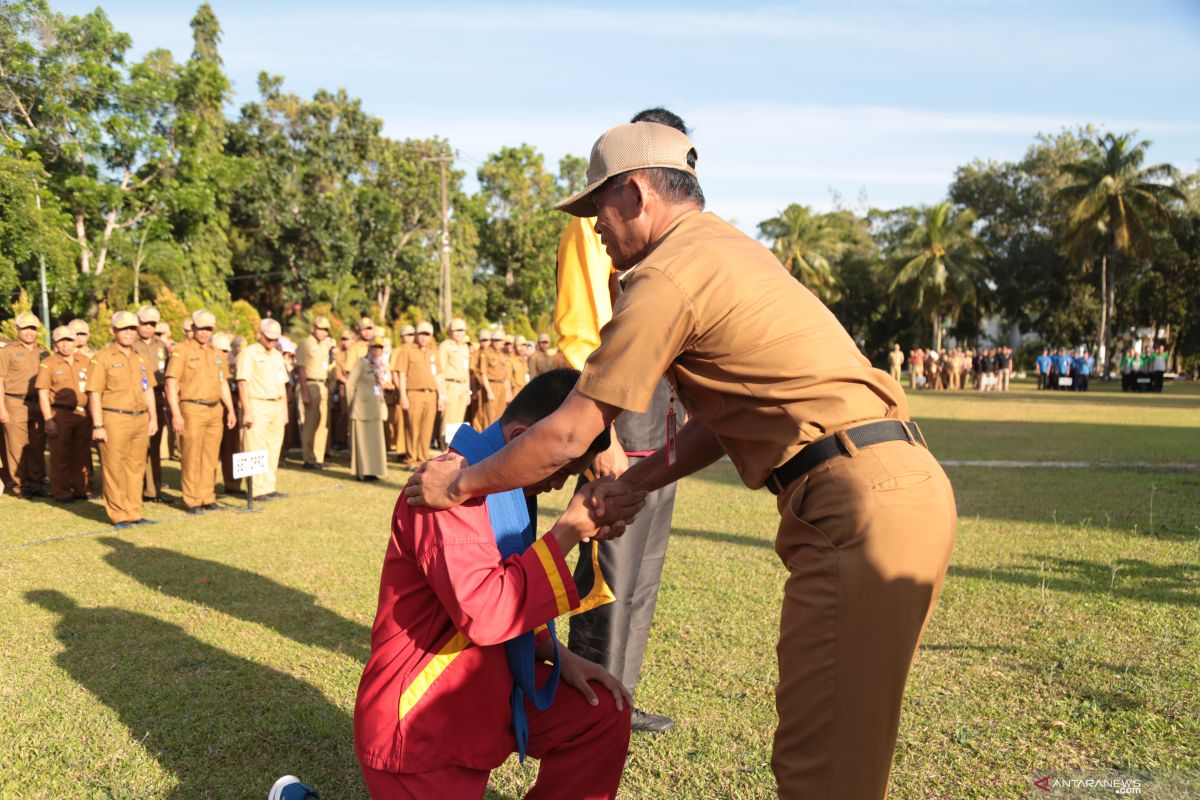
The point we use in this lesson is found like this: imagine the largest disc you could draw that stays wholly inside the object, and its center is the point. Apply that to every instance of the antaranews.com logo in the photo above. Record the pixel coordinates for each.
(1081, 784)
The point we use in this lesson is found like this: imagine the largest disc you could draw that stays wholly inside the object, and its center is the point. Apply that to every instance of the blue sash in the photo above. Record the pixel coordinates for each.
(512, 517)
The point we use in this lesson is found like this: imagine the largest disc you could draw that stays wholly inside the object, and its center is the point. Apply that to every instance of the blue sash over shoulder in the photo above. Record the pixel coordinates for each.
(512, 517)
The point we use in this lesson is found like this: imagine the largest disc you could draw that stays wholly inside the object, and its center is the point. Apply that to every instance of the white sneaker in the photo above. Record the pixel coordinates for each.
(289, 787)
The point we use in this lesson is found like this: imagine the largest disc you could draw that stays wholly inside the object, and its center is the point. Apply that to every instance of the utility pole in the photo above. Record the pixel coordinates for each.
(42, 276)
(447, 298)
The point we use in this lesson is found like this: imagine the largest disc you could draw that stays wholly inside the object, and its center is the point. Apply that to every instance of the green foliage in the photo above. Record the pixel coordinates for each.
(808, 244)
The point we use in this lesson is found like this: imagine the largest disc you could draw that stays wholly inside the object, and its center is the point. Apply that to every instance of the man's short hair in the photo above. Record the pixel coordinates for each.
(542, 396)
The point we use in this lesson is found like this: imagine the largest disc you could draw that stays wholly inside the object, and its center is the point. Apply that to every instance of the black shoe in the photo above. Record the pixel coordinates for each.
(307, 465)
(651, 723)
(194, 510)
(35, 493)
(144, 522)
(211, 507)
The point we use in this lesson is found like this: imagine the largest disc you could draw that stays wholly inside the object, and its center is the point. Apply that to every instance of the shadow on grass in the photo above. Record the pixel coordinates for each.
(222, 725)
(726, 538)
(241, 594)
(1133, 579)
(1059, 441)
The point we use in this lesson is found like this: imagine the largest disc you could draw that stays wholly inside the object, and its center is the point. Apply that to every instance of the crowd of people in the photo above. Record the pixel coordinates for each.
(1067, 369)
(984, 370)
(214, 394)
(1144, 372)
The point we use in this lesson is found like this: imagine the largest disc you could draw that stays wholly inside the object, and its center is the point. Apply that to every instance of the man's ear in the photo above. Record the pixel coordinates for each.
(515, 430)
(641, 187)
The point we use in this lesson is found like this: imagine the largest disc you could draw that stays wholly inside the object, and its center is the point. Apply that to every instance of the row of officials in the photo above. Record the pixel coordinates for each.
(214, 395)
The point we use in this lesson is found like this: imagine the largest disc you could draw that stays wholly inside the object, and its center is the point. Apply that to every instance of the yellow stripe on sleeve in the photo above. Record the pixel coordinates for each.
(425, 678)
(560, 592)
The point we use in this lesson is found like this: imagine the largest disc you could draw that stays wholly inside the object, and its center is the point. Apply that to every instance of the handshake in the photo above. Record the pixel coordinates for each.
(599, 510)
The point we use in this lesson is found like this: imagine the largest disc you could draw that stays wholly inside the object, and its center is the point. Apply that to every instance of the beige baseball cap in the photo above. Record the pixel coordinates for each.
(625, 148)
(508, 339)
(221, 341)
(379, 340)
(163, 329)
(520, 341)
(203, 319)
(148, 314)
(270, 328)
(485, 335)
(63, 332)
(79, 326)
(187, 324)
(424, 327)
(322, 323)
(27, 320)
(458, 324)
(123, 319)
(407, 330)
(365, 322)
(544, 337)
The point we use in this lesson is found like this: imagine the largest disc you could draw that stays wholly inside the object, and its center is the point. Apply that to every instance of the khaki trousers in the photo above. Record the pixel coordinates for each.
(123, 460)
(397, 421)
(266, 434)
(315, 433)
(24, 445)
(422, 408)
(70, 454)
(458, 397)
(490, 410)
(200, 451)
(866, 539)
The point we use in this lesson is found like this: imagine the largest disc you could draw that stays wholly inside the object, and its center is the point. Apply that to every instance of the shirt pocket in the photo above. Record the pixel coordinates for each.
(116, 378)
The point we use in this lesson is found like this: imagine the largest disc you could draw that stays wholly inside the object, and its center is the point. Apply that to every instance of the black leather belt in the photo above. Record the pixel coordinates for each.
(123, 411)
(208, 403)
(66, 407)
(820, 451)
(26, 397)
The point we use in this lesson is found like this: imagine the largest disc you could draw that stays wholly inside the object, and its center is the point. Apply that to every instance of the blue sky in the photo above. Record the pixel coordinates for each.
(789, 102)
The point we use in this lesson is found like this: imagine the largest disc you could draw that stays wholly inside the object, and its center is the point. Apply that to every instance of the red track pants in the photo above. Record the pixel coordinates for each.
(582, 752)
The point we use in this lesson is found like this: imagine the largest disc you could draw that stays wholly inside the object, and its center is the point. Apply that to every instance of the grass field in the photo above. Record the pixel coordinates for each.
(204, 657)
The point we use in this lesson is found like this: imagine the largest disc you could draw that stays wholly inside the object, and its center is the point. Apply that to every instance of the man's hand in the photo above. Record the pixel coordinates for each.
(153, 427)
(99, 435)
(177, 424)
(578, 671)
(612, 463)
(600, 510)
(247, 419)
(51, 427)
(435, 483)
(441, 402)
(4, 419)
(404, 401)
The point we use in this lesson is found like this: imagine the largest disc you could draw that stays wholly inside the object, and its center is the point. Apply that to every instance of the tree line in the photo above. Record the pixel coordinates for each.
(130, 181)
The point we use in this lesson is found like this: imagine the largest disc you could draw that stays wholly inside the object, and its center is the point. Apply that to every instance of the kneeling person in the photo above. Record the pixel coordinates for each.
(458, 675)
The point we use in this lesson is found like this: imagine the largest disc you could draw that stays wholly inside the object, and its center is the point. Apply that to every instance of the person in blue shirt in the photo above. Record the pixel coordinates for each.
(1064, 364)
(1086, 362)
(1043, 369)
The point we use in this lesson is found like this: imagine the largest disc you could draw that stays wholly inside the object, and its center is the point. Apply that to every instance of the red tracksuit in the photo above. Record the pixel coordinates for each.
(433, 715)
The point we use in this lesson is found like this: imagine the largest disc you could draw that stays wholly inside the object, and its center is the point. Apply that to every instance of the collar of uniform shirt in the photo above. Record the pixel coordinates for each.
(624, 276)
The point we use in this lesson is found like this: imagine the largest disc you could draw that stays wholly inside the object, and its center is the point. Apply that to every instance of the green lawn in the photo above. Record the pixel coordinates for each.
(204, 657)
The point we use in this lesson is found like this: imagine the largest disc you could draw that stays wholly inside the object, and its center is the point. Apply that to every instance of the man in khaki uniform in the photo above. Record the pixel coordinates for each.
(415, 373)
(397, 420)
(201, 410)
(518, 367)
(313, 360)
(156, 354)
(187, 327)
(541, 360)
(262, 389)
(82, 334)
(339, 409)
(492, 374)
(24, 435)
(358, 348)
(895, 362)
(231, 438)
(454, 355)
(62, 396)
(770, 378)
(120, 388)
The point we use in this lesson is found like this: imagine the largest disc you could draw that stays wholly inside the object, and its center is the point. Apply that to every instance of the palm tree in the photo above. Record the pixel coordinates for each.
(936, 269)
(806, 243)
(1111, 208)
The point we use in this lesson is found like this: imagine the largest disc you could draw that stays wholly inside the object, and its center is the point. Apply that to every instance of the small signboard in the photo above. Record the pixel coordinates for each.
(1067, 382)
(253, 462)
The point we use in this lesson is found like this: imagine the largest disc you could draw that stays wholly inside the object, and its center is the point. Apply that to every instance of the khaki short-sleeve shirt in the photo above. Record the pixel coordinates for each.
(19, 366)
(751, 353)
(155, 350)
(418, 365)
(313, 356)
(264, 372)
(65, 379)
(455, 359)
(121, 378)
(199, 370)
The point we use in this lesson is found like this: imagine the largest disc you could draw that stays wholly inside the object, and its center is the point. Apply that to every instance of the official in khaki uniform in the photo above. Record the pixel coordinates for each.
(201, 410)
(397, 420)
(454, 355)
(364, 393)
(262, 389)
(24, 435)
(541, 360)
(358, 348)
(314, 358)
(415, 372)
(770, 378)
(495, 387)
(339, 411)
(518, 366)
(83, 333)
(187, 327)
(120, 389)
(62, 395)
(156, 354)
(163, 331)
